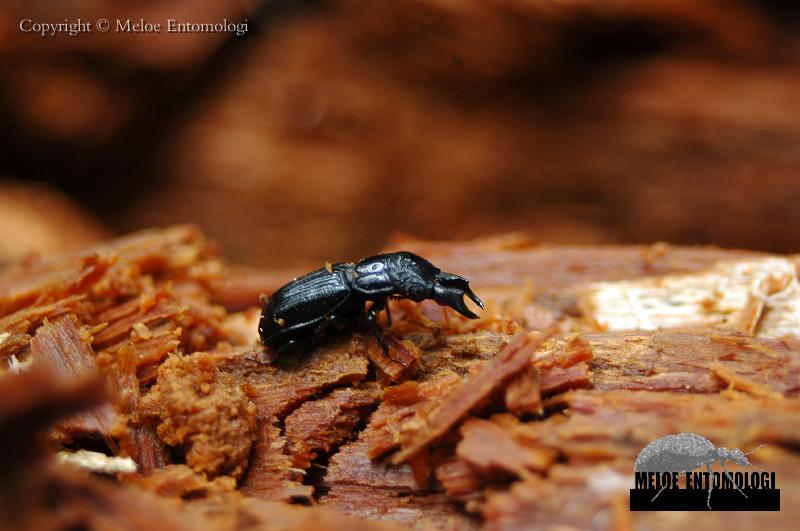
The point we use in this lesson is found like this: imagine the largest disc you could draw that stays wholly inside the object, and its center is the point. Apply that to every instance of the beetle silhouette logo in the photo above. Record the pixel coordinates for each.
(660, 463)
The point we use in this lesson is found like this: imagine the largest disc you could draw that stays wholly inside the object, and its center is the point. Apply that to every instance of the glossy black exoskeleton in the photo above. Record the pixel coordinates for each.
(334, 298)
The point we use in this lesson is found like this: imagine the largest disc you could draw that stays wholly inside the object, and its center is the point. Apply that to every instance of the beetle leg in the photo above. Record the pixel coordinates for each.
(289, 346)
(682, 472)
(319, 331)
(388, 314)
(657, 493)
(710, 485)
(372, 318)
(728, 474)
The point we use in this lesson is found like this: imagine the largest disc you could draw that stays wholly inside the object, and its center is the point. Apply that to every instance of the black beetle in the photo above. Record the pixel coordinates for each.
(335, 297)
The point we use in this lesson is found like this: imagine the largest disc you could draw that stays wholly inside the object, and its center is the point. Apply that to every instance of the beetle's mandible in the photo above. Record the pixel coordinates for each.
(334, 298)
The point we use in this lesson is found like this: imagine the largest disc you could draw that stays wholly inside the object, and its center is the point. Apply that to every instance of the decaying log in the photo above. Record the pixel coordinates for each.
(531, 415)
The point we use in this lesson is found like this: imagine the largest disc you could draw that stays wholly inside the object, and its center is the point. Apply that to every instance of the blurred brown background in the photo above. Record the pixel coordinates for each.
(333, 124)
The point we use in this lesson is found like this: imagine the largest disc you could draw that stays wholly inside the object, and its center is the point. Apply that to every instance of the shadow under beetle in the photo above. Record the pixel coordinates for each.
(334, 298)
(683, 452)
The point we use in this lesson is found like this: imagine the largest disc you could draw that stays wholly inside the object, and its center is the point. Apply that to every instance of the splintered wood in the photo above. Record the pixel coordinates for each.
(759, 297)
(476, 388)
(318, 425)
(530, 417)
(61, 347)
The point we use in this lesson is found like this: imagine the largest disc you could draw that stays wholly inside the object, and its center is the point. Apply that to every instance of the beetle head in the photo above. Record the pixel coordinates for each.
(449, 290)
(738, 457)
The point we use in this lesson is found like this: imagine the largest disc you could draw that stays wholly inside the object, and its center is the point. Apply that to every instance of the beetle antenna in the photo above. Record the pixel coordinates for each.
(754, 449)
(750, 452)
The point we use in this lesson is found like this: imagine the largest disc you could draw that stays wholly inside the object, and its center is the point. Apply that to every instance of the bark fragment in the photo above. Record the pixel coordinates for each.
(475, 389)
(62, 347)
(319, 425)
